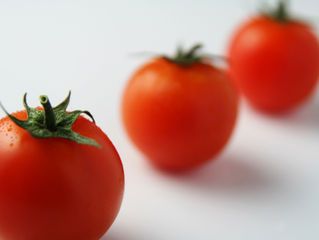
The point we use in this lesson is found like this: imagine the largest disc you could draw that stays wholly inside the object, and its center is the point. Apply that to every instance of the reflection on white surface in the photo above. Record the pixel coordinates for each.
(263, 186)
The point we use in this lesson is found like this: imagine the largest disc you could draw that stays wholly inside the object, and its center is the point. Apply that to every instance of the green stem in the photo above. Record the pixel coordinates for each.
(49, 121)
(281, 13)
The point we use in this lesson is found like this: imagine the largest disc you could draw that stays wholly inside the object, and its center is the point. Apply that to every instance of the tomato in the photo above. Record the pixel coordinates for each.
(274, 60)
(55, 188)
(180, 112)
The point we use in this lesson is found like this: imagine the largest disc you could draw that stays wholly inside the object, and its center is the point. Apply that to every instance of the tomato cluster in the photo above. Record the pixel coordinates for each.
(57, 167)
(181, 111)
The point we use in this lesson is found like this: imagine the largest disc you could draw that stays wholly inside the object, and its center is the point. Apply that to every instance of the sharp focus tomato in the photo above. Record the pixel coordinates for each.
(274, 63)
(57, 189)
(179, 116)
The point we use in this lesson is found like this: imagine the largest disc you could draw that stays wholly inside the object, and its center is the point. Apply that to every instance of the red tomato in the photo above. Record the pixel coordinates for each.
(55, 188)
(275, 61)
(179, 115)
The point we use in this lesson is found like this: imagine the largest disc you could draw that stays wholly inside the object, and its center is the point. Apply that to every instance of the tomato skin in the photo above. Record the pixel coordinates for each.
(275, 64)
(55, 188)
(179, 117)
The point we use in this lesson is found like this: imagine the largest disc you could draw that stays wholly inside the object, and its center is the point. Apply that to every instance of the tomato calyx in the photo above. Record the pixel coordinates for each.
(186, 58)
(280, 14)
(52, 122)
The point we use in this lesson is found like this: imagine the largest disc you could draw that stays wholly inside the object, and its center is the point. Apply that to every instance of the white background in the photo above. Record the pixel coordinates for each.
(263, 186)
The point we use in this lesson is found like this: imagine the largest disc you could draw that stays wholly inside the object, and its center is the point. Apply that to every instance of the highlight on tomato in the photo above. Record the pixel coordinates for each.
(274, 60)
(179, 111)
(60, 175)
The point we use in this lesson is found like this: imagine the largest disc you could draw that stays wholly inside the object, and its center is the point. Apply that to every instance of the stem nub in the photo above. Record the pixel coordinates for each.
(49, 116)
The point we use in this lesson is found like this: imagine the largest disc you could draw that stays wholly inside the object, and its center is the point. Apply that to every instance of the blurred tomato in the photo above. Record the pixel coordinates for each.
(274, 60)
(180, 112)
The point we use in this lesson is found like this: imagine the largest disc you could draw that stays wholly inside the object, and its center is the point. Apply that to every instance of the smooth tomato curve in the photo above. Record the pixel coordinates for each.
(56, 189)
(275, 64)
(179, 116)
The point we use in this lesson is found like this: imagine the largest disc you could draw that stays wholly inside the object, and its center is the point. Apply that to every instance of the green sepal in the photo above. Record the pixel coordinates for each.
(52, 122)
(192, 56)
(186, 58)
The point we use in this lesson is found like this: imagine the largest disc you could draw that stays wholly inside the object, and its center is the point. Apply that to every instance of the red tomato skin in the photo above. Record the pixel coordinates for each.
(275, 65)
(179, 117)
(55, 188)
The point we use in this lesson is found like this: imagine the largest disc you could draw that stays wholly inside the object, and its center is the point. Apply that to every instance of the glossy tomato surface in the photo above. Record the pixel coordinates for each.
(275, 64)
(56, 189)
(179, 116)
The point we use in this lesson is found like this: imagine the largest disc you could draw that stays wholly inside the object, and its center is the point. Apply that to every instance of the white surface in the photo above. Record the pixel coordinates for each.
(263, 186)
